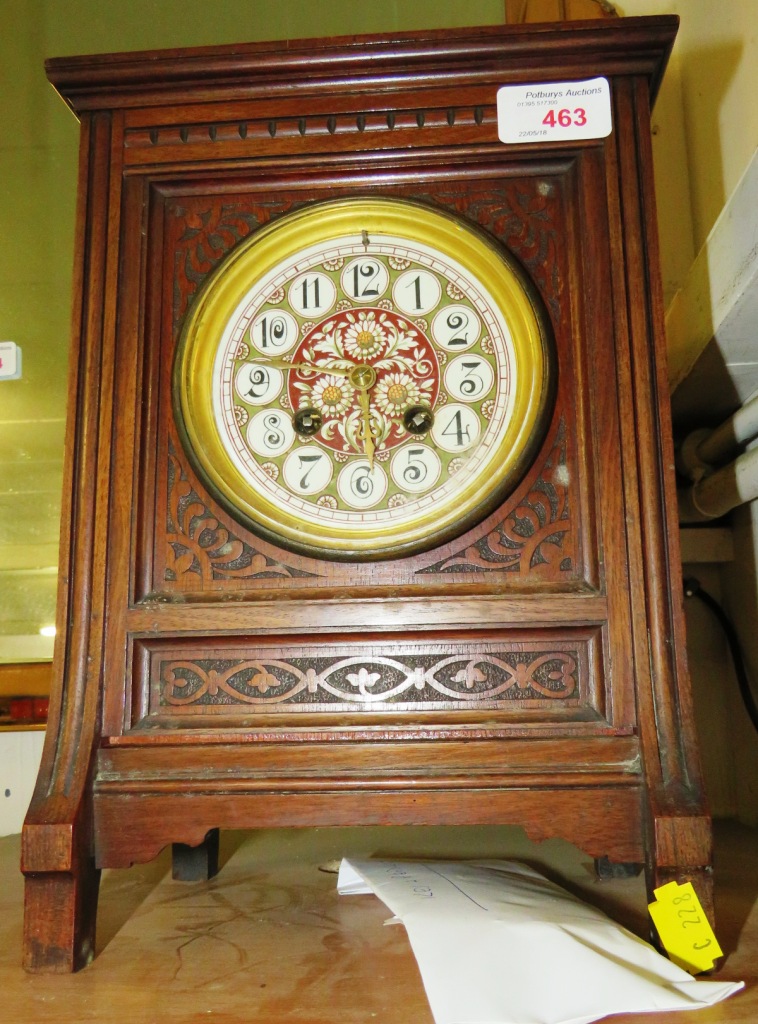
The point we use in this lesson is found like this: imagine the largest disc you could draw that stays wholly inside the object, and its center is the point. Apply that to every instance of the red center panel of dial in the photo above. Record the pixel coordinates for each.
(405, 362)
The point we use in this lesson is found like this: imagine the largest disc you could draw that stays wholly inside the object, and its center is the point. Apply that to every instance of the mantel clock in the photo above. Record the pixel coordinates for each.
(368, 512)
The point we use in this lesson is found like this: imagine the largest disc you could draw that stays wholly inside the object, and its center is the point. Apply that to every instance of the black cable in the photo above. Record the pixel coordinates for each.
(692, 588)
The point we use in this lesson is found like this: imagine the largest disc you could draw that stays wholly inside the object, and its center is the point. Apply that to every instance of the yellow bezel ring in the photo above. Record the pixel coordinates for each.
(486, 263)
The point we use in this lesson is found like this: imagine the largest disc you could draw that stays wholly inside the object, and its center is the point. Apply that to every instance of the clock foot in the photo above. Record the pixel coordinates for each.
(607, 869)
(683, 852)
(195, 863)
(60, 909)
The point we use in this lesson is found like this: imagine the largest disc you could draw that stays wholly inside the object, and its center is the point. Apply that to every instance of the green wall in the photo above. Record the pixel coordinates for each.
(38, 160)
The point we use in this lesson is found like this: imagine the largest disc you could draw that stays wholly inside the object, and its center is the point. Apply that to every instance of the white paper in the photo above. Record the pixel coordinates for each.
(496, 943)
(554, 111)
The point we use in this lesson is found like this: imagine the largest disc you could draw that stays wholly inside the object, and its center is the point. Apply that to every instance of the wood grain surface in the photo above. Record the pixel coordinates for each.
(268, 940)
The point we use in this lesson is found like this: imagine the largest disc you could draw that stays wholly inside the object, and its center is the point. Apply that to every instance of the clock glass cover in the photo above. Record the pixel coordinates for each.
(363, 378)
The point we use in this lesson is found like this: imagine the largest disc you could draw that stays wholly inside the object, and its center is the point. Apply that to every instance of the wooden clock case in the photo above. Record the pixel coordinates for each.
(530, 672)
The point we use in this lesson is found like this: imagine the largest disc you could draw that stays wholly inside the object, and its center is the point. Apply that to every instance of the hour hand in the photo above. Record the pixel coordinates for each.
(280, 363)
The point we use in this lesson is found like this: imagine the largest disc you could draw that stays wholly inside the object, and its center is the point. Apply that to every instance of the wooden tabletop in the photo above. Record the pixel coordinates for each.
(269, 940)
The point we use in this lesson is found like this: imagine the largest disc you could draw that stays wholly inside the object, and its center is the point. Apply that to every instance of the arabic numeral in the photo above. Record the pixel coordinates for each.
(274, 438)
(259, 379)
(369, 272)
(310, 461)
(269, 433)
(309, 294)
(273, 329)
(472, 384)
(565, 117)
(702, 945)
(307, 471)
(457, 322)
(416, 285)
(361, 482)
(415, 471)
(416, 291)
(456, 428)
(308, 285)
(456, 328)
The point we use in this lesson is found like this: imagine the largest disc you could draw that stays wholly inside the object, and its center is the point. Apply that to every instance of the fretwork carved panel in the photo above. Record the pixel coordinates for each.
(508, 673)
(309, 682)
(536, 535)
(199, 544)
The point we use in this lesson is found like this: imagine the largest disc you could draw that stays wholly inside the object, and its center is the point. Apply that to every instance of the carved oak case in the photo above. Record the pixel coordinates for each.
(528, 669)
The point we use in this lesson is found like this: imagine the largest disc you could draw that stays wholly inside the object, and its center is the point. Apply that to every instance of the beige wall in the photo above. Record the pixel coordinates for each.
(708, 246)
(716, 63)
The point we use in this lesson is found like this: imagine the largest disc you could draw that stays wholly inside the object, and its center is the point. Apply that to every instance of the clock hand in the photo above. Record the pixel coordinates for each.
(368, 438)
(282, 364)
(361, 376)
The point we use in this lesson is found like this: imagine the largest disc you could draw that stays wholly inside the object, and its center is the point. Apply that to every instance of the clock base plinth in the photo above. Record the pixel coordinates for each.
(605, 822)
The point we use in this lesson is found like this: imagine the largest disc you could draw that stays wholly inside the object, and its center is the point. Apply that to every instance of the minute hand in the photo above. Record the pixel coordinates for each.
(368, 438)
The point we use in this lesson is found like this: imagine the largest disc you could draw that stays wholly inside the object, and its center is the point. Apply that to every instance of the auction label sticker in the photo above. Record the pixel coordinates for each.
(554, 111)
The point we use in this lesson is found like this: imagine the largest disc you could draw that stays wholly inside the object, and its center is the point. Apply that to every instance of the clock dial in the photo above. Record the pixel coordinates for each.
(364, 378)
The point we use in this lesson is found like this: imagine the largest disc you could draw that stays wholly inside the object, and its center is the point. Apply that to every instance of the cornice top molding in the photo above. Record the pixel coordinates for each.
(379, 63)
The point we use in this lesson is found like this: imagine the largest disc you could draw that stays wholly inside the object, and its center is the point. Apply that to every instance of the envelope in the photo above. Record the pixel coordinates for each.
(497, 943)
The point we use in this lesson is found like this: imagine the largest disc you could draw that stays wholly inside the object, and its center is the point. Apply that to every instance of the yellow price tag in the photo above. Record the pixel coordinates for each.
(683, 927)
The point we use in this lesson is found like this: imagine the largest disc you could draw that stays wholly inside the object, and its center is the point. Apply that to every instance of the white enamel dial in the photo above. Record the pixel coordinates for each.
(374, 372)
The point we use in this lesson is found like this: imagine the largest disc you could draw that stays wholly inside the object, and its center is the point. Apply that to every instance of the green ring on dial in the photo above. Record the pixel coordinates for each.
(485, 262)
